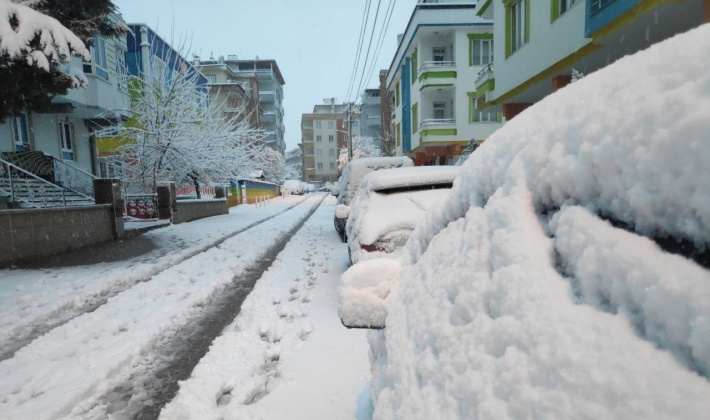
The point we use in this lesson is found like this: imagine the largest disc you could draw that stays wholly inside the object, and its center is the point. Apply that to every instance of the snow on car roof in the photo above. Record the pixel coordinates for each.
(356, 169)
(412, 176)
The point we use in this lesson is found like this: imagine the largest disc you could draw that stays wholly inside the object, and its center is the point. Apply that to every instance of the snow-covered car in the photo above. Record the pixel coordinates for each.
(566, 274)
(350, 181)
(292, 187)
(388, 206)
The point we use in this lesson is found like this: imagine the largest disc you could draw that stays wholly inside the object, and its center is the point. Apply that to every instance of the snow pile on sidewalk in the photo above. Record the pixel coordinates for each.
(500, 314)
(252, 359)
(65, 371)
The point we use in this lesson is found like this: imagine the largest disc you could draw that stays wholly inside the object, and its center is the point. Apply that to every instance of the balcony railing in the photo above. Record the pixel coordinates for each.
(437, 122)
(427, 65)
(485, 71)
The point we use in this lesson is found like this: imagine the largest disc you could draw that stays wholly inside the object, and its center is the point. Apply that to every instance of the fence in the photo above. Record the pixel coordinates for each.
(246, 191)
(141, 206)
(206, 191)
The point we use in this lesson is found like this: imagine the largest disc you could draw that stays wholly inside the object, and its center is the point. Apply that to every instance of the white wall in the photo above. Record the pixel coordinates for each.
(545, 47)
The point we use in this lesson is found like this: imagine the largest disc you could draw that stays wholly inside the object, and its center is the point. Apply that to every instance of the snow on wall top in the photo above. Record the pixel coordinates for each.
(485, 324)
(355, 170)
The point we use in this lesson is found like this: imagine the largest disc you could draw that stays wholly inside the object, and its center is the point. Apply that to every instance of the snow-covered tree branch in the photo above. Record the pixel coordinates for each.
(38, 39)
(362, 147)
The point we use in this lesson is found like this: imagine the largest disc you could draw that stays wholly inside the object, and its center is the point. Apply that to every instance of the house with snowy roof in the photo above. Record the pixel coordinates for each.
(545, 44)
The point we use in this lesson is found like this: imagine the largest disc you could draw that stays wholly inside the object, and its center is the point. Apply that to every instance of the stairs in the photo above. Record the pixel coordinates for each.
(33, 193)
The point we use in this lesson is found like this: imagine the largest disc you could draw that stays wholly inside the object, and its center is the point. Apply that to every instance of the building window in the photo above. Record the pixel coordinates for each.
(398, 131)
(332, 152)
(439, 110)
(20, 133)
(481, 116)
(66, 139)
(319, 138)
(211, 79)
(396, 94)
(98, 64)
(415, 117)
(518, 20)
(318, 125)
(354, 124)
(332, 165)
(319, 152)
(331, 124)
(559, 7)
(439, 54)
(414, 66)
(121, 70)
(597, 5)
(331, 137)
(320, 166)
(481, 52)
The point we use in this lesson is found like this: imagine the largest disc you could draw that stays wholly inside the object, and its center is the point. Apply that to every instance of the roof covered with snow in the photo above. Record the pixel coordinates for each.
(518, 300)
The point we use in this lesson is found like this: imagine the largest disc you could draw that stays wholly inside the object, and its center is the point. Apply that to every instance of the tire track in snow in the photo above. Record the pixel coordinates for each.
(148, 389)
(62, 315)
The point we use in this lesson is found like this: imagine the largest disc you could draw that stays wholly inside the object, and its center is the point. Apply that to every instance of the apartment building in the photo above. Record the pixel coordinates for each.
(370, 115)
(387, 140)
(543, 42)
(323, 133)
(269, 87)
(444, 47)
(235, 95)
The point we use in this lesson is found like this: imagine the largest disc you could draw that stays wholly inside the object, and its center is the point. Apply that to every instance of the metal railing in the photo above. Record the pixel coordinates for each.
(436, 64)
(13, 184)
(73, 178)
(484, 71)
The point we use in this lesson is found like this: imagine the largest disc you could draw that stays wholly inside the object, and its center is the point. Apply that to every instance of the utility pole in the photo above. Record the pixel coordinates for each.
(350, 133)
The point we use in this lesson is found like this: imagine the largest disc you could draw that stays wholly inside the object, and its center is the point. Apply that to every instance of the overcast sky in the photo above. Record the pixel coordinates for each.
(313, 41)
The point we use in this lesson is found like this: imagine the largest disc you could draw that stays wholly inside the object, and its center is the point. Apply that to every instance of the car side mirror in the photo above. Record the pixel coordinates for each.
(335, 191)
(364, 293)
(342, 211)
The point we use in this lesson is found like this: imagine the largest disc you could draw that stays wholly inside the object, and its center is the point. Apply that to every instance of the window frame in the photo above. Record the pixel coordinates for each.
(517, 25)
(319, 138)
(320, 166)
(20, 132)
(331, 138)
(415, 117)
(332, 165)
(319, 152)
(434, 54)
(67, 143)
(331, 124)
(480, 42)
(318, 124)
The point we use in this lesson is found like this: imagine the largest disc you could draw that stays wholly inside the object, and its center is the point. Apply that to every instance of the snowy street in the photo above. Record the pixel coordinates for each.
(89, 367)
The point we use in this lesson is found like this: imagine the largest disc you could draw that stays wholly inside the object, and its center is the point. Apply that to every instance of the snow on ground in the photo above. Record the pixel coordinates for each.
(66, 370)
(501, 315)
(31, 299)
(286, 356)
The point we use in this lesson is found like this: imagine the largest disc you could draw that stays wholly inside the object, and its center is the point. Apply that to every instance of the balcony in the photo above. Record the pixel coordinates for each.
(267, 96)
(485, 83)
(438, 127)
(374, 120)
(269, 117)
(269, 136)
(437, 65)
(437, 73)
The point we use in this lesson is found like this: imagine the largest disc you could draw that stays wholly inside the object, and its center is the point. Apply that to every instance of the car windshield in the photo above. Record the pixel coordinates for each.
(412, 188)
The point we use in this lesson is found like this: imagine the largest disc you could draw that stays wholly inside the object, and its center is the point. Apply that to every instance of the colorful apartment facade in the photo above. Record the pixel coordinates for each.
(543, 42)
(431, 78)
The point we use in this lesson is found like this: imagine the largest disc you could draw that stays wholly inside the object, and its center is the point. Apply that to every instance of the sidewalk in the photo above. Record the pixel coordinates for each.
(38, 295)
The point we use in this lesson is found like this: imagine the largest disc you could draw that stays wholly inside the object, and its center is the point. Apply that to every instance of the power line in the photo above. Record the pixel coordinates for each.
(358, 52)
(369, 47)
(380, 42)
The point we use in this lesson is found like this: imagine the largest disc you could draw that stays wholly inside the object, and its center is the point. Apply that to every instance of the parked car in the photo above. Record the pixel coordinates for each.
(389, 204)
(351, 178)
(292, 187)
(567, 271)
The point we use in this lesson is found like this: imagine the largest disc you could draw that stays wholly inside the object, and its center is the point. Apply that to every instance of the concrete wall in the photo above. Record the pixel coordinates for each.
(189, 210)
(31, 234)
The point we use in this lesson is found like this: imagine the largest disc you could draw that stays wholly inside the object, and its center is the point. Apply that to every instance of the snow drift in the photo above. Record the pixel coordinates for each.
(513, 302)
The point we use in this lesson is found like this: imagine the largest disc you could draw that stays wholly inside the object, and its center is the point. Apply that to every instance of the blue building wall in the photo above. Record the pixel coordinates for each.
(160, 49)
(406, 106)
(602, 12)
